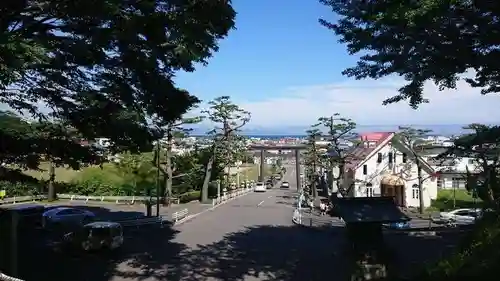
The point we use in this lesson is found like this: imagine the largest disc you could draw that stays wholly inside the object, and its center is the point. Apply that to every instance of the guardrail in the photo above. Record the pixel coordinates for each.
(116, 199)
(230, 195)
(86, 198)
(179, 215)
(142, 221)
(21, 199)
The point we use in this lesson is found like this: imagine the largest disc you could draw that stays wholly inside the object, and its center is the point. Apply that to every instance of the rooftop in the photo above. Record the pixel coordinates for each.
(369, 209)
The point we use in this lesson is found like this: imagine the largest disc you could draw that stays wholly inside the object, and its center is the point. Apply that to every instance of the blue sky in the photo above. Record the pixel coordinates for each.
(277, 43)
(285, 68)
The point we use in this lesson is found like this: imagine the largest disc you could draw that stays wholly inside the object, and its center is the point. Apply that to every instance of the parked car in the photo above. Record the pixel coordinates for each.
(260, 187)
(397, 225)
(94, 236)
(66, 215)
(460, 216)
(285, 184)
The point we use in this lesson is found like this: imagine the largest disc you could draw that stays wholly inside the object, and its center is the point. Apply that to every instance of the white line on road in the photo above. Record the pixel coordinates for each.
(269, 196)
(261, 202)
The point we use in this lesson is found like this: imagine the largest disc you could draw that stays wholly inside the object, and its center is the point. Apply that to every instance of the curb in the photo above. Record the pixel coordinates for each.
(190, 217)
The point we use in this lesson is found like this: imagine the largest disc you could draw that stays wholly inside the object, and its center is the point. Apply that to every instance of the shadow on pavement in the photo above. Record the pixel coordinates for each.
(258, 253)
(146, 253)
(289, 253)
(264, 253)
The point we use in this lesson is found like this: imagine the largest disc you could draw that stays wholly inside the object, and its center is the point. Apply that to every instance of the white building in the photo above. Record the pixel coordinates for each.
(383, 166)
(452, 171)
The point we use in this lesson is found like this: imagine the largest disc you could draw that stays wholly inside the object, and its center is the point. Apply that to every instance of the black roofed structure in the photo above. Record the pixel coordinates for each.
(369, 210)
(364, 216)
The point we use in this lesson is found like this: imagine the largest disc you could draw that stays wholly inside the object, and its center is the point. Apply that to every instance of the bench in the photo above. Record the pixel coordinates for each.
(179, 215)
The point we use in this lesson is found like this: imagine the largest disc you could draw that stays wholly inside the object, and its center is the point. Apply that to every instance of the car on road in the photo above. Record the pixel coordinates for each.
(66, 215)
(260, 187)
(285, 184)
(460, 216)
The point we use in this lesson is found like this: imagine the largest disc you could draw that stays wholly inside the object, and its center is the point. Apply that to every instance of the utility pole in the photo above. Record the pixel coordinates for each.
(313, 179)
(158, 178)
(331, 181)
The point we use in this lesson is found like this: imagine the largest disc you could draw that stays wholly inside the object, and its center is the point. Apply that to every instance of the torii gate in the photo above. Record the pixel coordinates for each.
(295, 148)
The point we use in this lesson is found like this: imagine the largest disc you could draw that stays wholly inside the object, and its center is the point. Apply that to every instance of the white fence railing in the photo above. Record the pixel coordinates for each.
(21, 199)
(226, 196)
(115, 199)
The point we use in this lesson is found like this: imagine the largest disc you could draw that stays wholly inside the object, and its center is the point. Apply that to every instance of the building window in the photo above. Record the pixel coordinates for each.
(379, 158)
(365, 170)
(405, 158)
(471, 161)
(390, 157)
(369, 190)
(415, 192)
(439, 183)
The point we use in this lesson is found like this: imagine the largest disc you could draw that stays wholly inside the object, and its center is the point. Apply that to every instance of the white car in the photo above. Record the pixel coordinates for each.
(260, 187)
(285, 184)
(461, 216)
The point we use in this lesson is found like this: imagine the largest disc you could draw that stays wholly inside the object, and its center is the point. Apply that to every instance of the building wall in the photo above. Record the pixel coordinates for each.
(375, 171)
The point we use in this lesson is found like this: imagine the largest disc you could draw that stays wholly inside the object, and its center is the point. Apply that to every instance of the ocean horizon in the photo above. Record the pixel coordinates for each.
(447, 130)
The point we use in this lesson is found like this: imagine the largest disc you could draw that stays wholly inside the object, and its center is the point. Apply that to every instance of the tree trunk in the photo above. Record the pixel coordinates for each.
(149, 210)
(206, 181)
(314, 188)
(52, 178)
(420, 189)
(168, 155)
(340, 182)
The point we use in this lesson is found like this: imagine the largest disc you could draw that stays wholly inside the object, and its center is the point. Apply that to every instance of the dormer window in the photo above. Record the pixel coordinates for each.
(390, 157)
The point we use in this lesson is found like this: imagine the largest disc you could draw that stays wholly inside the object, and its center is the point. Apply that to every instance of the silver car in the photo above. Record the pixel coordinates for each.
(67, 215)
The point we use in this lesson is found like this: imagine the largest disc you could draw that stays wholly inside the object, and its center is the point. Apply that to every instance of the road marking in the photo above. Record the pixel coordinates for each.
(269, 196)
(261, 202)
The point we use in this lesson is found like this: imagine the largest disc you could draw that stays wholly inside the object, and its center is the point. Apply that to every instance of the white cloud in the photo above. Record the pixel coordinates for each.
(362, 102)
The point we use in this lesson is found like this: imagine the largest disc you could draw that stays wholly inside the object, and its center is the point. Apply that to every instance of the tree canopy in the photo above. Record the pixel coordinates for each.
(106, 67)
(425, 40)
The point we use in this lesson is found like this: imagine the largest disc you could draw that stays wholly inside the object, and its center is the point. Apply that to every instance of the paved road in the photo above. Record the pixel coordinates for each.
(250, 238)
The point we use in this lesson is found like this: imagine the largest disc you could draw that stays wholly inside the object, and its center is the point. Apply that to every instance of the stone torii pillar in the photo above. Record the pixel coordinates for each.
(262, 165)
(297, 168)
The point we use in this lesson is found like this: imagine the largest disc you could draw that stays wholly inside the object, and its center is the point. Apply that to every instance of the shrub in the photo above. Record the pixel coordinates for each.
(189, 196)
(97, 181)
(477, 258)
(20, 188)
